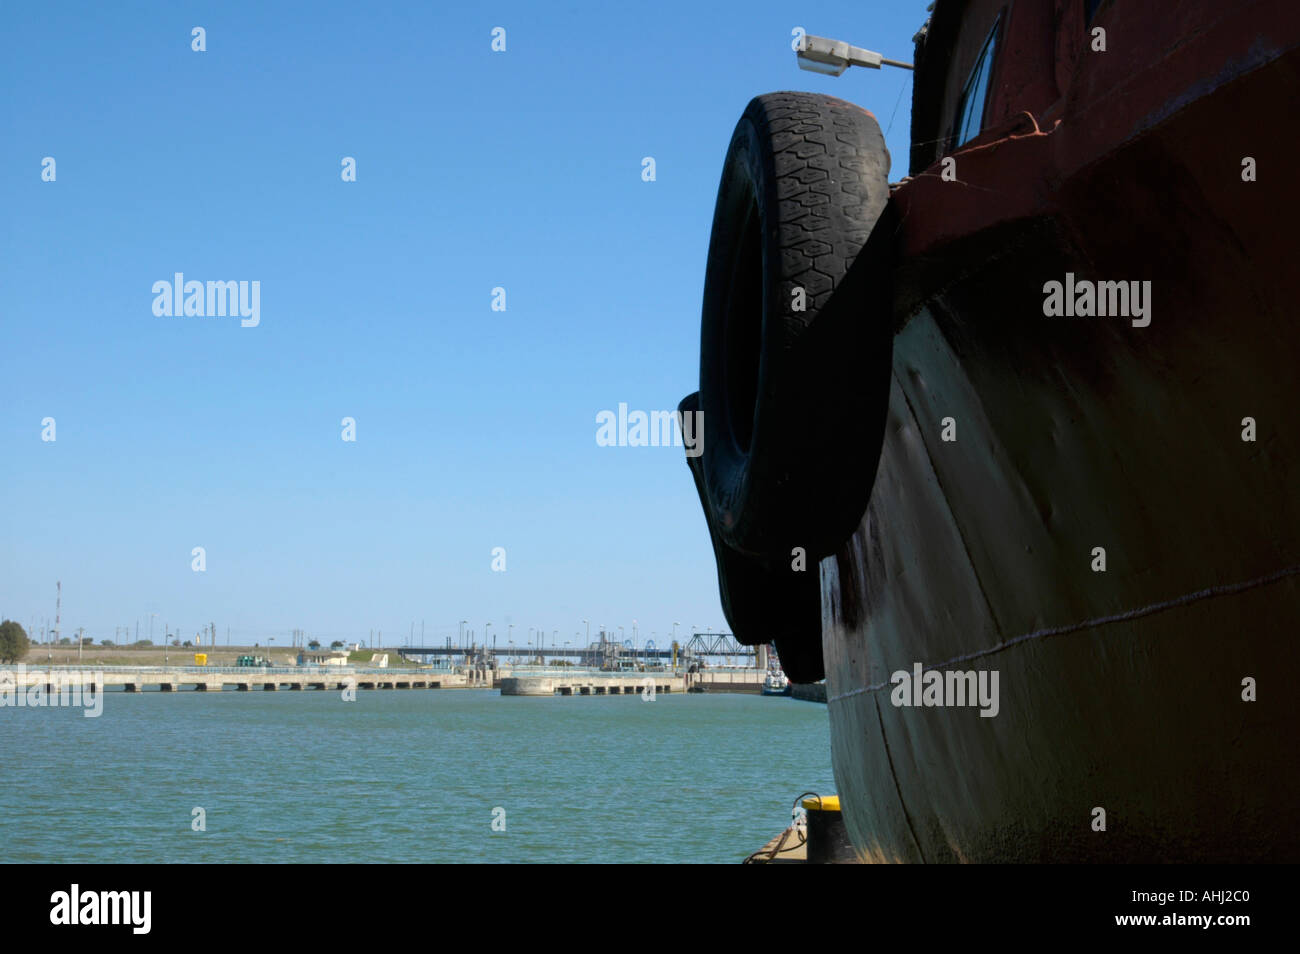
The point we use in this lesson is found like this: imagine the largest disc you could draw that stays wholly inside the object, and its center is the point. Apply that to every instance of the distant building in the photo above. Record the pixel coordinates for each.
(323, 657)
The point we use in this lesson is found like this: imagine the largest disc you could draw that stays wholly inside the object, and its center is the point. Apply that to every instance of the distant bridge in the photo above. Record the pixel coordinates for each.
(698, 645)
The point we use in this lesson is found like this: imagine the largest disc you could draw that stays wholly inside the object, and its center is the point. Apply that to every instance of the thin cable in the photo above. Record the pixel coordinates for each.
(1220, 590)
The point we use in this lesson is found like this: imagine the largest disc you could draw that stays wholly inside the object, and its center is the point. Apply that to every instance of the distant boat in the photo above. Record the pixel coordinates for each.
(776, 684)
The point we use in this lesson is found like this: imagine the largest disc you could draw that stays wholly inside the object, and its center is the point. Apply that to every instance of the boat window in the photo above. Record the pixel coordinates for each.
(970, 108)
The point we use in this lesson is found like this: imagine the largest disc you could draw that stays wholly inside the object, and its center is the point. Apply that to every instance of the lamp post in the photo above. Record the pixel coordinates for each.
(821, 54)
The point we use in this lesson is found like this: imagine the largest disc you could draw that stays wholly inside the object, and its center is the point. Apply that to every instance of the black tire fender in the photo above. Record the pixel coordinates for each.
(794, 401)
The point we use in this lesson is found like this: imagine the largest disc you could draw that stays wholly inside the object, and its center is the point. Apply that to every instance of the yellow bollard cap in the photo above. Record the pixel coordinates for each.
(826, 803)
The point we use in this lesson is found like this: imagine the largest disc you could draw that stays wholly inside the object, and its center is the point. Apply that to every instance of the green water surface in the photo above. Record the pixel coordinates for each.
(406, 776)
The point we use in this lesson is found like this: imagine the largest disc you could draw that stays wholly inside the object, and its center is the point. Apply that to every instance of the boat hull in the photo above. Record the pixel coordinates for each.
(1125, 689)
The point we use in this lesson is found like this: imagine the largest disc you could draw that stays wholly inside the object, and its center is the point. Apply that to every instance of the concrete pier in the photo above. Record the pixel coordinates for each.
(329, 678)
(726, 680)
(809, 692)
(589, 683)
(216, 679)
(593, 684)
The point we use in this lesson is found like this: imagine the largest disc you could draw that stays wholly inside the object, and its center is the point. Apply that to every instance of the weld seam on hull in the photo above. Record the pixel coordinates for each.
(1225, 589)
(907, 816)
(952, 515)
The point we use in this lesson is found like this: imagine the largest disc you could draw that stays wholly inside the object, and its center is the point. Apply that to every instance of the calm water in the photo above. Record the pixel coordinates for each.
(407, 776)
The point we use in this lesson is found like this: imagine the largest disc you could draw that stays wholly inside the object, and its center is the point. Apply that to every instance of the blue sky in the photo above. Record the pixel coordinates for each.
(475, 428)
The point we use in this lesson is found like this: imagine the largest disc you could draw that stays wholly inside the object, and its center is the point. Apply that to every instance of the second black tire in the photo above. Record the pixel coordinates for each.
(763, 604)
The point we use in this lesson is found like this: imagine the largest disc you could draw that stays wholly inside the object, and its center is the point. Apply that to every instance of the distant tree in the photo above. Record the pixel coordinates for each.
(65, 641)
(13, 641)
(106, 642)
(143, 642)
(337, 644)
(87, 640)
(314, 644)
(187, 643)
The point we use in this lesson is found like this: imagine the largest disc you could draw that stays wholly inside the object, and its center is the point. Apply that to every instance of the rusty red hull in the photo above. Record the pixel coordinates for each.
(1128, 689)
